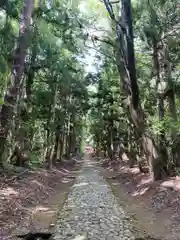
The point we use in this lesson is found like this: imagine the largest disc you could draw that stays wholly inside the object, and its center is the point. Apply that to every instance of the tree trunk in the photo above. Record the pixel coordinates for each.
(52, 113)
(71, 131)
(13, 89)
(48, 148)
(129, 56)
(31, 72)
(74, 148)
(67, 137)
(56, 146)
(169, 93)
(160, 104)
(126, 65)
(110, 140)
(61, 147)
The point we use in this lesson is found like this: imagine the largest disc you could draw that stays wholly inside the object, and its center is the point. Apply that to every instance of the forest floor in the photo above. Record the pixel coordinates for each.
(30, 201)
(35, 200)
(153, 207)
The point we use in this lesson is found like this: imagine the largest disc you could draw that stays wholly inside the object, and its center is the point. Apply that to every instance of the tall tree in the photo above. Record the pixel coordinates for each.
(125, 59)
(14, 87)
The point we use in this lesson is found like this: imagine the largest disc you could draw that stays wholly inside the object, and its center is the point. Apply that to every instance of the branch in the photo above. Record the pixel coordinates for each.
(107, 41)
(174, 32)
(109, 9)
(114, 2)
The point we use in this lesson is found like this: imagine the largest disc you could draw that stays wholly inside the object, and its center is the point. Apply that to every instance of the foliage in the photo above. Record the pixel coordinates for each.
(54, 95)
(74, 88)
(153, 23)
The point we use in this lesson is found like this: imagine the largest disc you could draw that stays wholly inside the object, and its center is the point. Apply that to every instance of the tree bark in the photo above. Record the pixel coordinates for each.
(52, 114)
(160, 102)
(61, 146)
(13, 89)
(126, 14)
(170, 94)
(56, 145)
(124, 52)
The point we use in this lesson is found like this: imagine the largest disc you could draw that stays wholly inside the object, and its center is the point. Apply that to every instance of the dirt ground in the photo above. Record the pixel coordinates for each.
(30, 202)
(152, 207)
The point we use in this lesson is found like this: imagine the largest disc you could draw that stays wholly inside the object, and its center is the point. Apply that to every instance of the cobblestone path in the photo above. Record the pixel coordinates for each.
(91, 210)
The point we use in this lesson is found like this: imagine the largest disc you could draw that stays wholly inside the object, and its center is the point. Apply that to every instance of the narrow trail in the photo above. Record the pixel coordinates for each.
(91, 210)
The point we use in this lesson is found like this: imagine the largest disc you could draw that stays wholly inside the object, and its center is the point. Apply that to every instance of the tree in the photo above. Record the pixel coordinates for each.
(14, 87)
(48, 94)
(156, 22)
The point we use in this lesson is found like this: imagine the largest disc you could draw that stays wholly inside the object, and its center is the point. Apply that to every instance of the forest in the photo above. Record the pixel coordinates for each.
(127, 101)
(77, 75)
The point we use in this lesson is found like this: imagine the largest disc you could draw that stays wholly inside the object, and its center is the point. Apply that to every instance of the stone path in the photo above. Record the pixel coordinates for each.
(91, 210)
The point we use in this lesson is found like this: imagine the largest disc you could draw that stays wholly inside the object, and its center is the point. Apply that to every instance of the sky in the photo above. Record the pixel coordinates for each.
(86, 8)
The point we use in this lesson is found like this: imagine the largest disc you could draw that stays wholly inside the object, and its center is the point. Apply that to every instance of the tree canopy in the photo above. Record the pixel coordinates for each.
(108, 70)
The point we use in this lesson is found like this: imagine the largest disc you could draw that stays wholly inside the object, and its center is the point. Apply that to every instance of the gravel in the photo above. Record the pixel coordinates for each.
(91, 210)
